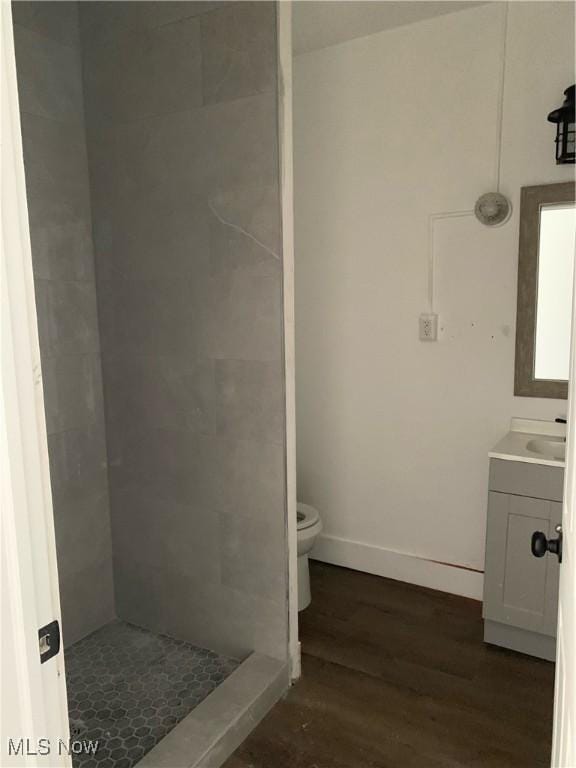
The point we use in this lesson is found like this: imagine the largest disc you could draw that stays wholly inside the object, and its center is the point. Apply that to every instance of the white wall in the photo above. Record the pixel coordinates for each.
(393, 433)
(318, 23)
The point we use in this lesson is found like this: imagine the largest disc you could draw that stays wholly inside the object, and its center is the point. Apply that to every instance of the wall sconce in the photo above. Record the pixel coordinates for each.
(564, 117)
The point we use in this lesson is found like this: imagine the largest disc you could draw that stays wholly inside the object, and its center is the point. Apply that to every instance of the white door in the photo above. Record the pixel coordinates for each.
(34, 711)
(564, 741)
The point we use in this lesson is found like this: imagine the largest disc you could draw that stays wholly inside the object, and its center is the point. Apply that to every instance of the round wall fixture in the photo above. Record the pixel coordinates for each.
(492, 209)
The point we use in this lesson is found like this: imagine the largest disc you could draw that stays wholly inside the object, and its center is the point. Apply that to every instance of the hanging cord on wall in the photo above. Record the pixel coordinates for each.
(500, 107)
(434, 217)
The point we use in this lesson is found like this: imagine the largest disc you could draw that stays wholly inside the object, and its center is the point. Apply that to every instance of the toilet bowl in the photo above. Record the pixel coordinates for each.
(309, 526)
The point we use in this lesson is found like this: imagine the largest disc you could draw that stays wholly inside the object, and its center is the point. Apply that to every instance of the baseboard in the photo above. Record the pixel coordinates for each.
(521, 640)
(399, 566)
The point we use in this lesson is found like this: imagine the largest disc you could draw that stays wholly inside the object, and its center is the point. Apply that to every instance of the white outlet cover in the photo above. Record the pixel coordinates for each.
(428, 326)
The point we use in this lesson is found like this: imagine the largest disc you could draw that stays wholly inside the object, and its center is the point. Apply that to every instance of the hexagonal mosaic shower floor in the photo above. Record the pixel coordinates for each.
(128, 687)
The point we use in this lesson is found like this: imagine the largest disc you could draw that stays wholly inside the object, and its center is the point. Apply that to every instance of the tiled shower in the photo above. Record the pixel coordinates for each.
(151, 156)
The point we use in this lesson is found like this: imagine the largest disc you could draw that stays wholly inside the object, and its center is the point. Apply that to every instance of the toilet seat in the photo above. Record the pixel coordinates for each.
(307, 516)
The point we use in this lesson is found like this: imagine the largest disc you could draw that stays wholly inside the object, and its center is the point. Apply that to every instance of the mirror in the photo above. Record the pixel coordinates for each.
(545, 283)
(554, 299)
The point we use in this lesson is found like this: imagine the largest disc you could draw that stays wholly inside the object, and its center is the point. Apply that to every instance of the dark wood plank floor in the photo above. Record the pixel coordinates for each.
(397, 676)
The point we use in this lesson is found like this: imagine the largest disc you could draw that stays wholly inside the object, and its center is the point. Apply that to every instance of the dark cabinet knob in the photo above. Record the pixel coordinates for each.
(541, 544)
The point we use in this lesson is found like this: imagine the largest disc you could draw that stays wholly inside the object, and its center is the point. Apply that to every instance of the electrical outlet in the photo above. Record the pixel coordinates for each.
(428, 326)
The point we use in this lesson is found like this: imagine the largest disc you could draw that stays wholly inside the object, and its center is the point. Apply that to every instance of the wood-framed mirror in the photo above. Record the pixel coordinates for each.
(545, 283)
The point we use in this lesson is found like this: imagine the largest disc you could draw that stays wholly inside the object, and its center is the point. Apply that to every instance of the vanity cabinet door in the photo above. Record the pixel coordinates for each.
(519, 589)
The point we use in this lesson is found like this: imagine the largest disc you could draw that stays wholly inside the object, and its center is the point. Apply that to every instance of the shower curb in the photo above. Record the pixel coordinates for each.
(218, 725)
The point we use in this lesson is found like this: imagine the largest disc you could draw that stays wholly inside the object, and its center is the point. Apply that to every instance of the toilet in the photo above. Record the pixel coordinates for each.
(309, 526)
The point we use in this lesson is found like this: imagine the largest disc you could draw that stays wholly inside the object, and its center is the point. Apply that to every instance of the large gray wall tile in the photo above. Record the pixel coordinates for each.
(77, 463)
(84, 539)
(248, 476)
(250, 209)
(55, 159)
(239, 156)
(56, 166)
(249, 397)
(140, 592)
(245, 317)
(165, 391)
(153, 237)
(48, 63)
(147, 317)
(187, 231)
(61, 237)
(144, 72)
(246, 270)
(159, 532)
(247, 620)
(72, 392)
(249, 559)
(176, 465)
(67, 317)
(233, 248)
(56, 20)
(92, 590)
(49, 76)
(107, 18)
(239, 51)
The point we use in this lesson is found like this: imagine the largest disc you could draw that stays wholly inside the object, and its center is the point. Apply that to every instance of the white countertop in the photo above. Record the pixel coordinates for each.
(514, 446)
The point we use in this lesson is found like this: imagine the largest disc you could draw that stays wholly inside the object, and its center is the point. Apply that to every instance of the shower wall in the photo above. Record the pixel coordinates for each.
(52, 114)
(182, 135)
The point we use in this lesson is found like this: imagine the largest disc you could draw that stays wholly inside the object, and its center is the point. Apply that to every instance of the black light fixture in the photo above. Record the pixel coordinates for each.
(564, 117)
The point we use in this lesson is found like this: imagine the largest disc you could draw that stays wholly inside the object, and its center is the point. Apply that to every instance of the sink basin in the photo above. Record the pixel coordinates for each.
(534, 441)
(553, 449)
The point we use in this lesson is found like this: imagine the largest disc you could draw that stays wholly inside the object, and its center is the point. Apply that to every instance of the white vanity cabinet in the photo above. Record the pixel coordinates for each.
(520, 590)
